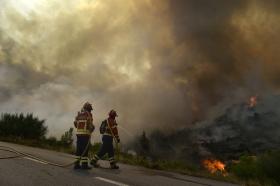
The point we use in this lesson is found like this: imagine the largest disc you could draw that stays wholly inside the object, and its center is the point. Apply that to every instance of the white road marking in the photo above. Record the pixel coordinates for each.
(35, 160)
(111, 181)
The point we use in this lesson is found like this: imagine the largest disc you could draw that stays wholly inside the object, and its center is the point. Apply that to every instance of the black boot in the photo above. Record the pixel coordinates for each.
(85, 166)
(77, 165)
(113, 165)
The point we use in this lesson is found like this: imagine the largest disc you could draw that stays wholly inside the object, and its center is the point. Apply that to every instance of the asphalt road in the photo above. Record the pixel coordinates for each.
(29, 172)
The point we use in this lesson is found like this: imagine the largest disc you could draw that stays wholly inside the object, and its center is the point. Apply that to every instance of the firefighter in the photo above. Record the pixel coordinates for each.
(84, 125)
(110, 133)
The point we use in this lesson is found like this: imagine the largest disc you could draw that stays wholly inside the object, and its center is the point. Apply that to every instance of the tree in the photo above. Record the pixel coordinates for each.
(67, 138)
(144, 145)
(22, 126)
(52, 141)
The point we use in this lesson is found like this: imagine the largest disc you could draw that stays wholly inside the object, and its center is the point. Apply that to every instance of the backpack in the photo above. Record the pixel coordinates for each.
(103, 127)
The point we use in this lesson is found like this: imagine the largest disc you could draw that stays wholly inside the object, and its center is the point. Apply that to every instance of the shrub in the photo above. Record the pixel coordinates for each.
(270, 165)
(265, 168)
(66, 139)
(247, 168)
(144, 145)
(22, 126)
(51, 141)
(95, 148)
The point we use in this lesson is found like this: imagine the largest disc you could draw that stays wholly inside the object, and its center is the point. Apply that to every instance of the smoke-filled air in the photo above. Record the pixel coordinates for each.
(161, 64)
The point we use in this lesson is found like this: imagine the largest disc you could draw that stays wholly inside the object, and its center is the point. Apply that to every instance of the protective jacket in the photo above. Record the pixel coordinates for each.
(111, 128)
(84, 123)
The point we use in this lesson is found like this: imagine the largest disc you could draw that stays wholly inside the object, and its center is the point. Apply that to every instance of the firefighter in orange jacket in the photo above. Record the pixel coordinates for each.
(84, 125)
(110, 134)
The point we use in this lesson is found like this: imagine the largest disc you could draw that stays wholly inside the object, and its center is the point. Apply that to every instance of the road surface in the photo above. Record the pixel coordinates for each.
(29, 172)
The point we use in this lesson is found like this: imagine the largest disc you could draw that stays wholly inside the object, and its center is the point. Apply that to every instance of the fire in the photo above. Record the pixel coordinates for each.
(253, 101)
(214, 166)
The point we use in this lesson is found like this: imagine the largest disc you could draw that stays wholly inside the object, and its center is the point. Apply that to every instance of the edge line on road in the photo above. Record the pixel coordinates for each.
(111, 181)
(35, 160)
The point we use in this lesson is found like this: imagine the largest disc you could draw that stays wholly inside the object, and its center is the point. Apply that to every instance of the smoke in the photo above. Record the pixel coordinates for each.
(160, 64)
(227, 52)
(237, 129)
(240, 130)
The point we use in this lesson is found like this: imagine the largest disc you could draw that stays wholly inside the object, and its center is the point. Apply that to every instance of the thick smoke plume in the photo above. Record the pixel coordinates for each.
(238, 129)
(161, 64)
(242, 129)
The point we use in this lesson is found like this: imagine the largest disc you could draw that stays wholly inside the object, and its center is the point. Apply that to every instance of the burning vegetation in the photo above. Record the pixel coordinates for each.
(214, 166)
(232, 132)
(226, 143)
(253, 102)
(188, 58)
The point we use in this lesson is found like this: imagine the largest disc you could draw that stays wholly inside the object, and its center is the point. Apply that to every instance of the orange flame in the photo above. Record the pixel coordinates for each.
(214, 166)
(253, 101)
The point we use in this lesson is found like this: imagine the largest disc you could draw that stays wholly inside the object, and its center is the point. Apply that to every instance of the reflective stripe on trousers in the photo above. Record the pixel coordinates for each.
(84, 160)
(82, 146)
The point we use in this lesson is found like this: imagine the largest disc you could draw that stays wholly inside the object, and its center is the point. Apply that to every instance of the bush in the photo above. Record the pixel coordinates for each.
(264, 169)
(95, 148)
(31, 131)
(22, 126)
(67, 138)
(270, 165)
(144, 145)
(51, 141)
(247, 168)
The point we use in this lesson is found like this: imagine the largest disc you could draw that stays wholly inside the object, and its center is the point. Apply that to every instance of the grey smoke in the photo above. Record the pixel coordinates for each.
(160, 64)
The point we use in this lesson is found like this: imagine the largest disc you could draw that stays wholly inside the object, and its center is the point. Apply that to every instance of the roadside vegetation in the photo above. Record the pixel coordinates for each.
(259, 170)
(248, 170)
(30, 130)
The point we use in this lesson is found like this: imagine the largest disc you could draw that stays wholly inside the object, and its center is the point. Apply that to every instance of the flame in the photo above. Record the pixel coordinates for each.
(253, 101)
(214, 166)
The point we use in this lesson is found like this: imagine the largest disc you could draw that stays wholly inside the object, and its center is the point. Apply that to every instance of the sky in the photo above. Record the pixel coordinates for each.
(161, 64)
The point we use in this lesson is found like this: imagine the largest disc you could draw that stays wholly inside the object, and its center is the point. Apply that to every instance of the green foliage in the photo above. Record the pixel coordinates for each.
(269, 163)
(64, 144)
(158, 164)
(22, 126)
(29, 130)
(51, 141)
(144, 145)
(67, 138)
(247, 168)
(263, 169)
(95, 148)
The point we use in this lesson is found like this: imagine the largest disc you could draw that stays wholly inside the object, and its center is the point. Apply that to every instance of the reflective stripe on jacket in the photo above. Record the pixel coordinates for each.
(113, 126)
(83, 123)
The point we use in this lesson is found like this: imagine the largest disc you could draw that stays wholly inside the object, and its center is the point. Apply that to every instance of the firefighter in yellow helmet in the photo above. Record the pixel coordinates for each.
(110, 132)
(84, 125)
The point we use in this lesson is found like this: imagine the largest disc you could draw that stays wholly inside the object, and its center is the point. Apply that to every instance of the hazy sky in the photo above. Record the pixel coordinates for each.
(160, 63)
